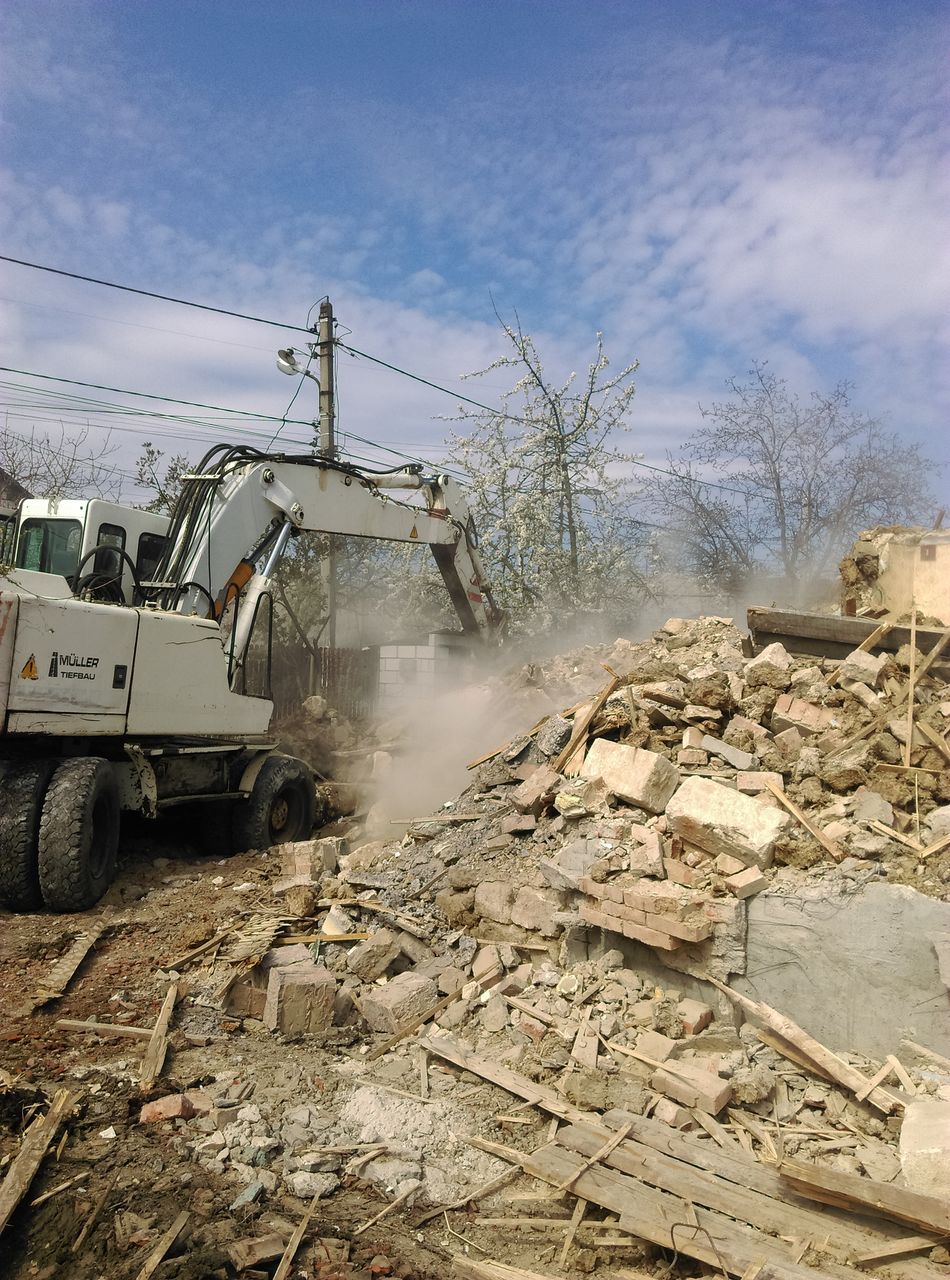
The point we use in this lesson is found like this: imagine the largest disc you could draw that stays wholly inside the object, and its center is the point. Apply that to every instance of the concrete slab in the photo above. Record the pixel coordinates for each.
(856, 968)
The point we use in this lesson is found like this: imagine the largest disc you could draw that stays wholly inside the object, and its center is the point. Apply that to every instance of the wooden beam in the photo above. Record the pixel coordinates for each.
(119, 1029)
(830, 636)
(157, 1255)
(157, 1046)
(851, 1191)
(33, 1148)
(911, 683)
(579, 732)
(813, 1050)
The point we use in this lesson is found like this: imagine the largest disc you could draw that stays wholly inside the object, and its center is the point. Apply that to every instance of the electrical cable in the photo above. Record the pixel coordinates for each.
(353, 351)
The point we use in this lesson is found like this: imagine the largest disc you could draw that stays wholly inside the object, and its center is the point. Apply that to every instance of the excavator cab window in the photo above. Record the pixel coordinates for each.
(151, 549)
(106, 561)
(49, 546)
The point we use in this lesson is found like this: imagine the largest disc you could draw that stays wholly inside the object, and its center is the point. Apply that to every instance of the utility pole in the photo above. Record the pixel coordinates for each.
(328, 449)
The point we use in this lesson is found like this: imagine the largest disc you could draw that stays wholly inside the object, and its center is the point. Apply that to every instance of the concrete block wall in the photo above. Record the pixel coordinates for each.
(410, 671)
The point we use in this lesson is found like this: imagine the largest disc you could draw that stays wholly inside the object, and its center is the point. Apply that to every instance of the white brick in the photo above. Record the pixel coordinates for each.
(720, 819)
(640, 777)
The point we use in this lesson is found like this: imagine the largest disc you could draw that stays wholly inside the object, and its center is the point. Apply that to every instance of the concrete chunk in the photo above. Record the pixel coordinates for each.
(719, 819)
(535, 909)
(862, 668)
(493, 900)
(771, 669)
(300, 999)
(537, 791)
(925, 1146)
(640, 777)
(406, 997)
(371, 958)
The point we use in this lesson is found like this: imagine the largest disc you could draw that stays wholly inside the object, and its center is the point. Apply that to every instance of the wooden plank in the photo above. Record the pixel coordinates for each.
(104, 1029)
(155, 1050)
(293, 1244)
(933, 737)
(829, 846)
(849, 1191)
(664, 1219)
(157, 1255)
(33, 1148)
(775, 1212)
(579, 732)
(742, 1170)
(897, 1249)
(831, 636)
(840, 1071)
(66, 967)
(487, 1269)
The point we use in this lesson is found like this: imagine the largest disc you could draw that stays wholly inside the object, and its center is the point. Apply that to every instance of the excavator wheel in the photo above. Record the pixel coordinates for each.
(79, 834)
(22, 790)
(280, 808)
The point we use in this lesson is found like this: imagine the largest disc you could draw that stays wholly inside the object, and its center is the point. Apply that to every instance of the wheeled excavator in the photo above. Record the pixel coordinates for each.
(125, 685)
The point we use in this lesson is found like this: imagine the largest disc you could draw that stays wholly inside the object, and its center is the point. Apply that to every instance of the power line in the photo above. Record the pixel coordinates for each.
(353, 351)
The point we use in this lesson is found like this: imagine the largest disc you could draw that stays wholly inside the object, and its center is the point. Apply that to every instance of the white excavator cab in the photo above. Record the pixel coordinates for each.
(109, 548)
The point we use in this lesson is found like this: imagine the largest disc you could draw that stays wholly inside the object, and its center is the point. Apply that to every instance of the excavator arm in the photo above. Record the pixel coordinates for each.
(237, 513)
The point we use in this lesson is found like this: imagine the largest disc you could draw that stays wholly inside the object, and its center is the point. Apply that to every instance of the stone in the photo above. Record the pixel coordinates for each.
(174, 1106)
(518, 824)
(455, 905)
(307, 1185)
(870, 806)
(728, 866)
(451, 980)
(494, 1016)
(250, 1252)
(553, 736)
(807, 717)
(313, 859)
(771, 669)
(535, 909)
(675, 1116)
(719, 819)
(537, 791)
(646, 858)
(300, 999)
(570, 864)
(487, 961)
(493, 900)
(371, 958)
(862, 667)
(642, 778)
(789, 743)
(925, 1146)
(938, 822)
(716, 747)
(402, 999)
(745, 883)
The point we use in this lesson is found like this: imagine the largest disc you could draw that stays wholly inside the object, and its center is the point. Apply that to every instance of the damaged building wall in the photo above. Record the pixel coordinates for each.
(893, 569)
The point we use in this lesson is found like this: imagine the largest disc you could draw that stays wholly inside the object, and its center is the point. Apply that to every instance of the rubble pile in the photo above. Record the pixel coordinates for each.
(571, 932)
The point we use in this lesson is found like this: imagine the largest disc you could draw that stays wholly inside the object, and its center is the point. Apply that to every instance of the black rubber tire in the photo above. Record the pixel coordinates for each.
(79, 834)
(22, 791)
(281, 807)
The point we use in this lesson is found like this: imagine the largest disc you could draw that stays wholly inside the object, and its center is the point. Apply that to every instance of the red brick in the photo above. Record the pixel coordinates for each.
(745, 883)
(680, 873)
(640, 933)
(174, 1106)
(693, 1087)
(696, 1016)
(687, 930)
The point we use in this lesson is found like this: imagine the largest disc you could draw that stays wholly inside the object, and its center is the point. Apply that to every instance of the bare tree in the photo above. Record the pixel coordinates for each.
(70, 464)
(550, 489)
(771, 484)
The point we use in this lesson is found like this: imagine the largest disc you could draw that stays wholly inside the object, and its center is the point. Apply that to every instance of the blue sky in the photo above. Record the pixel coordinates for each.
(709, 184)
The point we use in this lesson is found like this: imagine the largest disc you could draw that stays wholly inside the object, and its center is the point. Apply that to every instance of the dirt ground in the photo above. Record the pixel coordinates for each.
(167, 899)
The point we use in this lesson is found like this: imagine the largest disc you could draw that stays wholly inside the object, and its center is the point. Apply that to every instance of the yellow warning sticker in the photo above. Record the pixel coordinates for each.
(413, 532)
(30, 672)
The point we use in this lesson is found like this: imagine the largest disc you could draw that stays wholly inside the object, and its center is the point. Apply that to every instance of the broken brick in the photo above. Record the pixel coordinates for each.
(174, 1106)
(745, 883)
